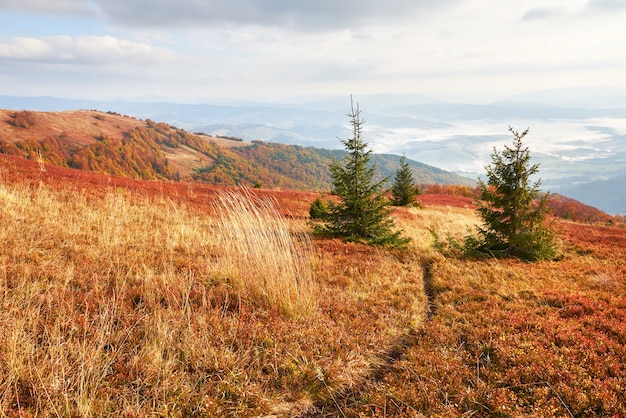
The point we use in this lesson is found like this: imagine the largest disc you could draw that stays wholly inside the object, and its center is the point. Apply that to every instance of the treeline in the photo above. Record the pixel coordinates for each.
(294, 165)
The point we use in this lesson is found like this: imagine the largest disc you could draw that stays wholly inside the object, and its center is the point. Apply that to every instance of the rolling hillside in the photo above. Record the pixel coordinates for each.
(124, 146)
(128, 297)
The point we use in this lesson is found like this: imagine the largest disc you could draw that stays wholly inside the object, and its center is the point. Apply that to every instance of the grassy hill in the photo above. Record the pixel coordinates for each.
(134, 298)
(124, 146)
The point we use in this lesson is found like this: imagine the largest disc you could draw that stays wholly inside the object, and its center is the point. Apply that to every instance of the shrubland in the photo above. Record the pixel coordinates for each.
(134, 298)
(116, 301)
(509, 338)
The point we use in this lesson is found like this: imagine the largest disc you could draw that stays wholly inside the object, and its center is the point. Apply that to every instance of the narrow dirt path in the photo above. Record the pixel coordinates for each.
(343, 401)
(429, 289)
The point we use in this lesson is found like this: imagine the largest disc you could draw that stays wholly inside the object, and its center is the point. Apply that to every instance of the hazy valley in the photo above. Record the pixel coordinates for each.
(577, 138)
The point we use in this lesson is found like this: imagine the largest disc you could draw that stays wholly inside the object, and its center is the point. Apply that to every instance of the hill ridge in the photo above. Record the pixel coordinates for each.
(109, 142)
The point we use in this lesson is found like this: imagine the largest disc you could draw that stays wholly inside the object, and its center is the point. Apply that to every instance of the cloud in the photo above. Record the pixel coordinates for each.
(56, 7)
(607, 5)
(293, 14)
(542, 13)
(307, 15)
(81, 50)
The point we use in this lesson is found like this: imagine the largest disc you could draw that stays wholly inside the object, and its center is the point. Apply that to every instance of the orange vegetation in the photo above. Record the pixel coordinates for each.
(125, 297)
(560, 206)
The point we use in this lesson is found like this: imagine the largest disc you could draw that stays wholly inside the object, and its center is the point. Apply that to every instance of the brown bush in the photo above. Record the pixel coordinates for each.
(24, 119)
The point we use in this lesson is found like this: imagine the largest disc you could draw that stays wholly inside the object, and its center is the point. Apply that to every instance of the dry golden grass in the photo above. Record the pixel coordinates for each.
(435, 225)
(118, 304)
(260, 254)
(79, 278)
(81, 126)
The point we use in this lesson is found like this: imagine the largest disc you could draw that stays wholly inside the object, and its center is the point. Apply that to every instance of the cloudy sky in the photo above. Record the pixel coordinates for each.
(469, 50)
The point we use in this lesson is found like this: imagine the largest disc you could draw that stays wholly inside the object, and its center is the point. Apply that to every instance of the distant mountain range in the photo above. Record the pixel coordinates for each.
(577, 136)
(605, 193)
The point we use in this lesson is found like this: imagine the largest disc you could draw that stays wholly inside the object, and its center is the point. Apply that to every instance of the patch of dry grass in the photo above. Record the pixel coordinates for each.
(261, 255)
(432, 227)
(80, 281)
(511, 338)
(115, 303)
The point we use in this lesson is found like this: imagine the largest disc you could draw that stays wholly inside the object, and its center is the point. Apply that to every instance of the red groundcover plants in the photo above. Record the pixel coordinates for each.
(109, 325)
(511, 339)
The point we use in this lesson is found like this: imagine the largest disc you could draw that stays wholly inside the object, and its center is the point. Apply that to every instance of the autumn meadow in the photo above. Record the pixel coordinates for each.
(131, 297)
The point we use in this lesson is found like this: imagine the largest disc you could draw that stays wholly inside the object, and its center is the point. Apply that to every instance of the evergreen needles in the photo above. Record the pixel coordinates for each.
(512, 212)
(363, 212)
(404, 190)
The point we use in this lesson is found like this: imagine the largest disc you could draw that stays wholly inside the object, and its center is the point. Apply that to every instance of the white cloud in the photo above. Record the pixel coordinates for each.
(476, 50)
(607, 5)
(81, 50)
(56, 7)
(543, 13)
(306, 15)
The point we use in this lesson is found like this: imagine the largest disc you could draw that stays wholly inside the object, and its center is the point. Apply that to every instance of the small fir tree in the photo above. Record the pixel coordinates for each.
(319, 209)
(362, 212)
(404, 190)
(512, 214)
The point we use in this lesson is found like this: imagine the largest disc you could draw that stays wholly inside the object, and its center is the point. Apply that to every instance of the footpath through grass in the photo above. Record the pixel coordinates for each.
(125, 298)
(515, 339)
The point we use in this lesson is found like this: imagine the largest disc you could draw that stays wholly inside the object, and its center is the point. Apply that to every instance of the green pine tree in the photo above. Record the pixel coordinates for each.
(511, 210)
(362, 213)
(404, 190)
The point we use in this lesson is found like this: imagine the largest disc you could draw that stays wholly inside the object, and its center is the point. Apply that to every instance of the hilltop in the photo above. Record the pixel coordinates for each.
(134, 298)
(125, 146)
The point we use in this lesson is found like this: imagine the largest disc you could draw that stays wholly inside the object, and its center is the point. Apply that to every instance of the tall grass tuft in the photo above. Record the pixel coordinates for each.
(263, 258)
(114, 303)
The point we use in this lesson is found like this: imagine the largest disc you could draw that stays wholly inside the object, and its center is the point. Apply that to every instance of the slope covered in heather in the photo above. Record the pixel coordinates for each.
(124, 146)
(132, 297)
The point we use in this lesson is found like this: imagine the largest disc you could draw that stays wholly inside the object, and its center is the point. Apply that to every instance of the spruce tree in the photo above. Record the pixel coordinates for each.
(362, 212)
(511, 210)
(404, 190)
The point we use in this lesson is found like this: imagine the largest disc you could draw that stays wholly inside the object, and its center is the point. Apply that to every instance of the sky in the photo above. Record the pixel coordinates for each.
(271, 50)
